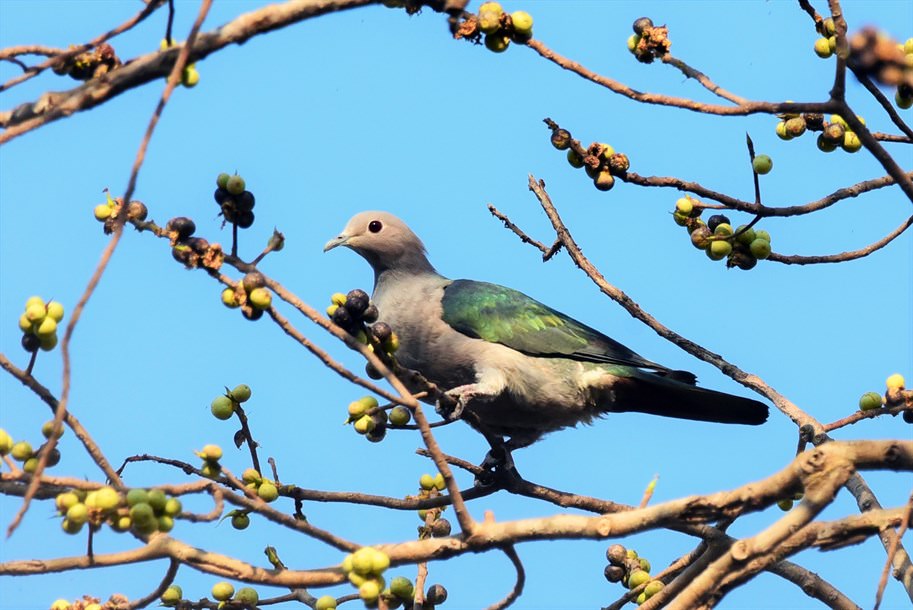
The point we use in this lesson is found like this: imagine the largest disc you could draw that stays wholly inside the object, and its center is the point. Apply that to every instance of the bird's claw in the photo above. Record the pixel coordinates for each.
(497, 468)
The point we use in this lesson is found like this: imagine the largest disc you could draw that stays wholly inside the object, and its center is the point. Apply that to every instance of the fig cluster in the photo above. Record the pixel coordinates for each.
(190, 76)
(364, 569)
(224, 592)
(903, 97)
(210, 454)
(648, 42)
(433, 525)
(355, 314)
(498, 27)
(107, 212)
(88, 64)
(742, 247)
(38, 324)
(250, 294)
(267, 489)
(897, 394)
(367, 418)
(88, 602)
(22, 451)
(190, 251)
(142, 511)
(878, 56)
(632, 571)
(236, 203)
(225, 405)
(599, 160)
(826, 45)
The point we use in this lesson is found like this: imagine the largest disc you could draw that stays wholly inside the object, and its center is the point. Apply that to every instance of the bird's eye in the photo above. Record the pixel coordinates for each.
(375, 226)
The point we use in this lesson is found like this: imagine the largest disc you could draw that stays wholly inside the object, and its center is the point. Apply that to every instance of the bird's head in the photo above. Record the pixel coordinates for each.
(384, 241)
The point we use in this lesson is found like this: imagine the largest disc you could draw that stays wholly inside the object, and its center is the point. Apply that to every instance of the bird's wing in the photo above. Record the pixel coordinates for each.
(501, 315)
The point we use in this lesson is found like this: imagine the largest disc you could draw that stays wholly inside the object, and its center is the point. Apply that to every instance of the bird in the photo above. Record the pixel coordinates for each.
(515, 368)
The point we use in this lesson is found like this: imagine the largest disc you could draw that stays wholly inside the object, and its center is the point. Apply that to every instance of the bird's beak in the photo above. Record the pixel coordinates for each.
(339, 240)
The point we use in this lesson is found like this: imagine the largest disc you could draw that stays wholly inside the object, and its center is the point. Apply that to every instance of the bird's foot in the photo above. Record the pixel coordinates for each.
(497, 468)
(453, 402)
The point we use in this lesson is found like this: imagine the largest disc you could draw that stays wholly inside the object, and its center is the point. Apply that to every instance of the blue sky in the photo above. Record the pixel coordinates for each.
(372, 109)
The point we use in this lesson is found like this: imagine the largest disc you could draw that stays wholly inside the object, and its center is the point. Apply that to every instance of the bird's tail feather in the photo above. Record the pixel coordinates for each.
(658, 395)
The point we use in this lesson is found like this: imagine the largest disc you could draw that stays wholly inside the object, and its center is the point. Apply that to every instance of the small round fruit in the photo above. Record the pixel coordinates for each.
(235, 184)
(47, 342)
(241, 393)
(222, 180)
(824, 145)
(222, 407)
(364, 424)
(70, 527)
(700, 237)
(369, 591)
(426, 482)
(653, 587)
(327, 602)
(78, 513)
(22, 451)
(210, 453)
(267, 491)
(760, 248)
(107, 498)
(6, 443)
(172, 595)
(65, 500)
(183, 226)
(230, 299)
(762, 234)
(173, 507)
(716, 220)
(251, 475)
(247, 595)
(561, 139)
(36, 313)
(25, 325)
(439, 483)
(644, 564)
(869, 401)
(762, 164)
(633, 41)
(496, 43)
(795, 127)
(745, 235)
(436, 594)
(380, 561)
(240, 521)
(47, 328)
(637, 578)
(48, 430)
(400, 415)
(684, 206)
(102, 212)
(719, 249)
(30, 343)
(642, 24)
(851, 142)
(222, 591)
(360, 407)
(489, 21)
(641, 598)
(574, 158)
(402, 588)
(785, 505)
(523, 22)
(55, 311)
(136, 496)
(142, 513)
(828, 27)
(781, 131)
(260, 298)
(903, 101)
(823, 48)
(604, 180)
(165, 523)
(60, 604)
(895, 382)
(190, 77)
(723, 229)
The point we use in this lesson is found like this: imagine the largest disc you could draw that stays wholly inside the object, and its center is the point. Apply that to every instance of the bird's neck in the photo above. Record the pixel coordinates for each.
(389, 276)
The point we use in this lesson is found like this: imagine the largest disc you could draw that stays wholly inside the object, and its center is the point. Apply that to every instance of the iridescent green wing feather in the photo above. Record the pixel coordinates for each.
(501, 315)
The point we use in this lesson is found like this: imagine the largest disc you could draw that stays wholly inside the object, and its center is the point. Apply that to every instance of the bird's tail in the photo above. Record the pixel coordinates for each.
(659, 394)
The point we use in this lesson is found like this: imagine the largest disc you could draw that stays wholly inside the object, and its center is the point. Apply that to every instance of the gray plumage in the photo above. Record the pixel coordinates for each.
(520, 368)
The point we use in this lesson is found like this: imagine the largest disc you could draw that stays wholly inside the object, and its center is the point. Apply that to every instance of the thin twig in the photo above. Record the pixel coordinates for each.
(511, 597)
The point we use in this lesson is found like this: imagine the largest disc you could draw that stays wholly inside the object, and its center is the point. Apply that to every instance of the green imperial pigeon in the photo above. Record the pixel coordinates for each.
(514, 366)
